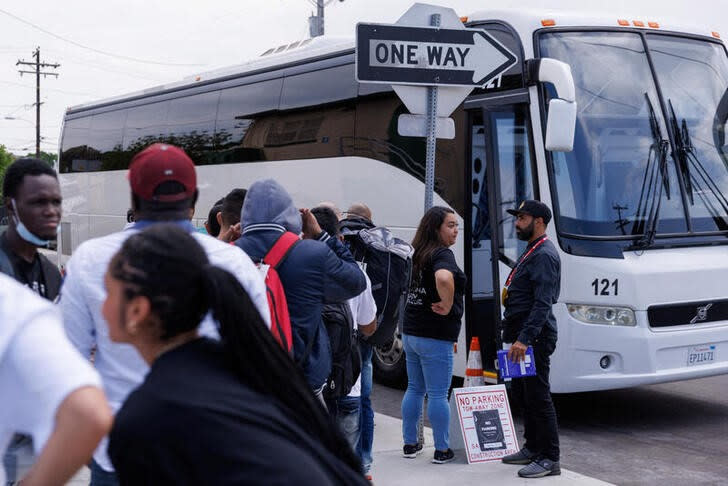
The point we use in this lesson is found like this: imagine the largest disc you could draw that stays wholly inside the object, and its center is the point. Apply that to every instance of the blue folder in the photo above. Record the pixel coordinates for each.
(509, 369)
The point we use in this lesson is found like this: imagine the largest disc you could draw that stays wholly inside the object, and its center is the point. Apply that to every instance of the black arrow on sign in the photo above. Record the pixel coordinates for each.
(429, 56)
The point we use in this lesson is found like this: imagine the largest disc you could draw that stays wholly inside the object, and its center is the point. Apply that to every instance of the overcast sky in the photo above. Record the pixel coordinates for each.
(144, 43)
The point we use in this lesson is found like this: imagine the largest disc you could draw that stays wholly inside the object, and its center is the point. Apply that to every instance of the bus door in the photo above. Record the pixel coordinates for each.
(501, 174)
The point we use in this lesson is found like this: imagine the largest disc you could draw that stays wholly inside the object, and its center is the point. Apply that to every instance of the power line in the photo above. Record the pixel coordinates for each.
(17, 109)
(73, 93)
(115, 71)
(98, 51)
(30, 123)
(101, 64)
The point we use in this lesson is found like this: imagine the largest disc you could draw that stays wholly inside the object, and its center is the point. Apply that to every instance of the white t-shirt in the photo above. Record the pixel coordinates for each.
(83, 293)
(364, 310)
(39, 368)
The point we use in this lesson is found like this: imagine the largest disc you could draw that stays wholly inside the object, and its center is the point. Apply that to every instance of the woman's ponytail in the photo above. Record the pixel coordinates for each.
(261, 362)
(166, 264)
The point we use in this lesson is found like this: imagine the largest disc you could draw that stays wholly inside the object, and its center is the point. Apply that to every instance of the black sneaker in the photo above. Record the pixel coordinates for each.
(524, 456)
(410, 451)
(539, 468)
(443, 457)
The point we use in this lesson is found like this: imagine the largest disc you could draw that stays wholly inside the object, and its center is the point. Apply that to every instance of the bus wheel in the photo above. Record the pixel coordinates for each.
(389, 363)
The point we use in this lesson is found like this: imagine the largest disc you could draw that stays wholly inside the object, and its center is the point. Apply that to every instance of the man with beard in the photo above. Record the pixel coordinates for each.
(530, 291)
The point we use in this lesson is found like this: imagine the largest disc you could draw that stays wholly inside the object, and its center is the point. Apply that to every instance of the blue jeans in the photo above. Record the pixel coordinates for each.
(345, 411)
(366, 416)
(102, 477)
(429, 370)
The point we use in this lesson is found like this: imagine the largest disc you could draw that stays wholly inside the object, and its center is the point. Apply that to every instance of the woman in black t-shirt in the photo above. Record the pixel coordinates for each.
(431, 325)
(233, 411)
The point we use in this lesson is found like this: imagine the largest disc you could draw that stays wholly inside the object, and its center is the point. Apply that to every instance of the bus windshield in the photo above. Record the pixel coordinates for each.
(642, 163)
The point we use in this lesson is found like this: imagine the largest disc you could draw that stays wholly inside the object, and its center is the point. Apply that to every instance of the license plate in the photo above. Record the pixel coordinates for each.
(698, 355)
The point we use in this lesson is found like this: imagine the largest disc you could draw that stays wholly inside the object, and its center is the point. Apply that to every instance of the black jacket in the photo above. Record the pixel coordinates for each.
(533, 291)
(193, 421)
(51, 274)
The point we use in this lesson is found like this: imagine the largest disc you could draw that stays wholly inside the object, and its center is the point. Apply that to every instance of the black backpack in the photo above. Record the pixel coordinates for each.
(345, 357)
(387, 261)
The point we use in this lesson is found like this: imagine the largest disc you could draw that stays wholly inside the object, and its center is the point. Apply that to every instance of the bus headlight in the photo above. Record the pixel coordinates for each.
(595, 314)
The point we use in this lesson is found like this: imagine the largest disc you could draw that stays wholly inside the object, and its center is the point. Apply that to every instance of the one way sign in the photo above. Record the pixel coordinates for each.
(429, 56)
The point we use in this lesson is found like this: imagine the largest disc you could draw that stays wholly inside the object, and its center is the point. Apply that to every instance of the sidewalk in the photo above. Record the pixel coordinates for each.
(391, 469)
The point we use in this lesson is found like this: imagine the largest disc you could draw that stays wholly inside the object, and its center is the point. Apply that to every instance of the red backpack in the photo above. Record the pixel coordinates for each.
(280, 320)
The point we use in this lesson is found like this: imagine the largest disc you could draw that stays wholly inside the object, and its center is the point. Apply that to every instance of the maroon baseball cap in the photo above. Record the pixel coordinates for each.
(161, 163)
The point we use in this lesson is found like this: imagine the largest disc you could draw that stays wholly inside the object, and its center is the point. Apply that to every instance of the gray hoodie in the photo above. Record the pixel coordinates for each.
(266, 203)
(313, 272)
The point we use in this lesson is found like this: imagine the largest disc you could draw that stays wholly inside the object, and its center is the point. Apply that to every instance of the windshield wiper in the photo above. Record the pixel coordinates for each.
(655, 178)
(682, 153)
(687, 157)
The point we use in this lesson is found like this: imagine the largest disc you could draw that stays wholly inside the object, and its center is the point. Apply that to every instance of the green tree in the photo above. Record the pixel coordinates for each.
(48, 157)
(6, 158)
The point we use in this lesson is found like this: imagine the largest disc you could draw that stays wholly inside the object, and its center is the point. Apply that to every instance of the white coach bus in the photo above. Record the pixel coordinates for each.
(640, 207)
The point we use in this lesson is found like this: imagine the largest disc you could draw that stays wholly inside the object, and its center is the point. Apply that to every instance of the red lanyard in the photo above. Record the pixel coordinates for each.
(522, 259)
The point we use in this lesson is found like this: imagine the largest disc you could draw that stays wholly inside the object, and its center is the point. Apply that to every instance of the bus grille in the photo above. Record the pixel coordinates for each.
(690, 313)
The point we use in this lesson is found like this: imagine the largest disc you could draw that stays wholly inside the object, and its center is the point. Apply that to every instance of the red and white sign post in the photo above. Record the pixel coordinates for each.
(486, 422)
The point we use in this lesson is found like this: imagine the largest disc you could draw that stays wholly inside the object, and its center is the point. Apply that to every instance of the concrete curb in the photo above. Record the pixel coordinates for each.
(391, 469)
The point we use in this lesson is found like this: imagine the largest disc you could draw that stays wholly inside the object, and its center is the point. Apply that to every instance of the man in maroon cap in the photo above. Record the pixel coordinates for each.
(163, 189)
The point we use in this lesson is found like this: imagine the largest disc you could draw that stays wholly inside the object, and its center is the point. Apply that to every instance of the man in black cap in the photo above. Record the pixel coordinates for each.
(530, 291)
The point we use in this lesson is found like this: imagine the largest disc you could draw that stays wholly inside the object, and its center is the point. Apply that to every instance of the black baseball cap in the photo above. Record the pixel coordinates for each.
(537, 209)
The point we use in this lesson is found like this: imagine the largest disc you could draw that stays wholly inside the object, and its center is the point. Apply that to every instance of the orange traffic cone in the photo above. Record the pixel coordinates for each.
(474, 371)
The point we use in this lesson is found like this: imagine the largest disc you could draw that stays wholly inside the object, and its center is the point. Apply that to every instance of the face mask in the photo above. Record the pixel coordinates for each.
(25, 233)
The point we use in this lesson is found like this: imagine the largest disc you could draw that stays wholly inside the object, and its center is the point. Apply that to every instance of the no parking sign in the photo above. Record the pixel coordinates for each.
(486, 422)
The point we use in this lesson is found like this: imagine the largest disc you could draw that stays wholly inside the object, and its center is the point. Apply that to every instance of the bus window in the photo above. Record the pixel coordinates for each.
(145, 124)
(316, 132)
(191, 125)
(480, 275)
(74, 144)
(512, 154)
(105, 141)
(599, 186)
(377, 137)
(693, 76)
(319, 87)
(235, 116)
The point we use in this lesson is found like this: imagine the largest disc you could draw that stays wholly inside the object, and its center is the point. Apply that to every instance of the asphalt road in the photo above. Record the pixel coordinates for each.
(669, 434)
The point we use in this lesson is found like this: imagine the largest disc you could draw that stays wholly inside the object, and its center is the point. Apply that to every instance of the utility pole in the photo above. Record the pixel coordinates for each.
(37, 65)
(316, 22)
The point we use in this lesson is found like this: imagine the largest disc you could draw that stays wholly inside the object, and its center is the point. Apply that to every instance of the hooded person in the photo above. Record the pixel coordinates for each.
(317, 270)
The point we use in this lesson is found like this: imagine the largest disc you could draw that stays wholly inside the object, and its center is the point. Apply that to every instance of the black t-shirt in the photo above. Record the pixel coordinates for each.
(192, 421)
(419, 320)
(32, 274)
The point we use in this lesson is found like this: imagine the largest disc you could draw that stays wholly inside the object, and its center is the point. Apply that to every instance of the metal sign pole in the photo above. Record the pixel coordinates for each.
(429, 180)
(431, 133)
(431, 145)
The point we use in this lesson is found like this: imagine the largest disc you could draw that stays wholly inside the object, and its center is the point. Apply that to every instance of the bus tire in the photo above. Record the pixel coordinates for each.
(388, 361)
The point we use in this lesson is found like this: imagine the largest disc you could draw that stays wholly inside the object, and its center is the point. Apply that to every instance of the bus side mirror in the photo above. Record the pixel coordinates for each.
(560, 126)
(561, 121)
